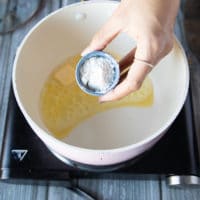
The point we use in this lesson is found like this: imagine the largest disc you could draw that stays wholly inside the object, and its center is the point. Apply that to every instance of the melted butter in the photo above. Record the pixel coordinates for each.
(64, 105)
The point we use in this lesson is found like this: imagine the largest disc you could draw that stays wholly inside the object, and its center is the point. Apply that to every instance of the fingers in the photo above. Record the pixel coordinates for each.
(142, 58)
(104, 36)
(131, 83)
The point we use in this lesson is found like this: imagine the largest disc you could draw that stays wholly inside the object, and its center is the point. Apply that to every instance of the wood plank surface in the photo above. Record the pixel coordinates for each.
(107, 189)
(60, 193)
(176, 193)
(22, 192)
(122, 189)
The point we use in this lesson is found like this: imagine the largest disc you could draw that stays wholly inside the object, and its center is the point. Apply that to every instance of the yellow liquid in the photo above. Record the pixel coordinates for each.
(64, 105)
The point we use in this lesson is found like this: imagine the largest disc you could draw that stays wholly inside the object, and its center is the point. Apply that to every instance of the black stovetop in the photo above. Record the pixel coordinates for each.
(24, 155)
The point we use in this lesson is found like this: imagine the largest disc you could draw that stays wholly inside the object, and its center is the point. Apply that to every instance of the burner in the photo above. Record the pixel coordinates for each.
(25, 156)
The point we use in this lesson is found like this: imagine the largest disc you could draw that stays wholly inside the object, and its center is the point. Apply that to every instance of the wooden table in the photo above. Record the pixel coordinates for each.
(102, 189)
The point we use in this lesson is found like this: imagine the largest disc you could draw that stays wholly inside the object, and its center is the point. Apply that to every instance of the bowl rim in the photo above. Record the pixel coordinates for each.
(47, 135)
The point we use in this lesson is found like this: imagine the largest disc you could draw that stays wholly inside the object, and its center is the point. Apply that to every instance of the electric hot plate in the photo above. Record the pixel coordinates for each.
(25, 156)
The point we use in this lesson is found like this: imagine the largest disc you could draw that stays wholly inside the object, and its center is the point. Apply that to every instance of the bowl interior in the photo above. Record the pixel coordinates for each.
(66, 33)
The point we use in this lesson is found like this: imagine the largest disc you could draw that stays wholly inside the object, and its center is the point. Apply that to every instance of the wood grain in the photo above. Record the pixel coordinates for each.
(22, 192)
(188, 193)
(60, 193)
(122, 189)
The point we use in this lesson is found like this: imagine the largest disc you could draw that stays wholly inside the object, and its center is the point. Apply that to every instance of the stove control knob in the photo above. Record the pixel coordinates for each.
(183, 180)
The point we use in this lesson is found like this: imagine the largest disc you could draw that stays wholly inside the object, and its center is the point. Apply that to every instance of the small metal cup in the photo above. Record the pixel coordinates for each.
(112, 61)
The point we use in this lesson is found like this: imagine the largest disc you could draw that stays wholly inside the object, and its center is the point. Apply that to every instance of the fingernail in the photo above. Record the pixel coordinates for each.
(101, 100)
(106, 97)
(86, 51)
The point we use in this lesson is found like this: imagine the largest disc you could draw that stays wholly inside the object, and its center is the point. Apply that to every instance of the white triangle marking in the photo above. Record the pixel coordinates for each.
(19, 153)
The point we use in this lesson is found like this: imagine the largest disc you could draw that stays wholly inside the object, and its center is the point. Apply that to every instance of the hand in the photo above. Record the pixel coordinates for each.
(150, 23)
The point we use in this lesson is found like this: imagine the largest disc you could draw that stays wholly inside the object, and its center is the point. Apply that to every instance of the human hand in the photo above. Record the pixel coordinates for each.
(150, 23)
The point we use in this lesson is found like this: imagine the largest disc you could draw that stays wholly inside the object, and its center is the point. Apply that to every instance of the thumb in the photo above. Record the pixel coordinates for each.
(104, 36)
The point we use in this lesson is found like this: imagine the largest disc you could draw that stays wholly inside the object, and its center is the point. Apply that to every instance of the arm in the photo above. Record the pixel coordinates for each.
(151, 24)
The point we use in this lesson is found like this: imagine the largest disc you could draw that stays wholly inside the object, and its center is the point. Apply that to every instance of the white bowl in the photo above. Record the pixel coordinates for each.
(127, 132)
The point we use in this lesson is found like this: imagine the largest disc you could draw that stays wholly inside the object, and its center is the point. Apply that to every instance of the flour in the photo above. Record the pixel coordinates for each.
(97, 73)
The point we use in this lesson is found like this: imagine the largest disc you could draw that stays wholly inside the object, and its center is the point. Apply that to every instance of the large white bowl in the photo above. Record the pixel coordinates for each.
(127, 132)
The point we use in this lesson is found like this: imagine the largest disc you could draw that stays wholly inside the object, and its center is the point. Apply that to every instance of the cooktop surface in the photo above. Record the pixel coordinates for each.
(25, 156)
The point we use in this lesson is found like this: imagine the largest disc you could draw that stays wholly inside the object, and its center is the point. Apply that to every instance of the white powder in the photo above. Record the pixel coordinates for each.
(97, 73)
